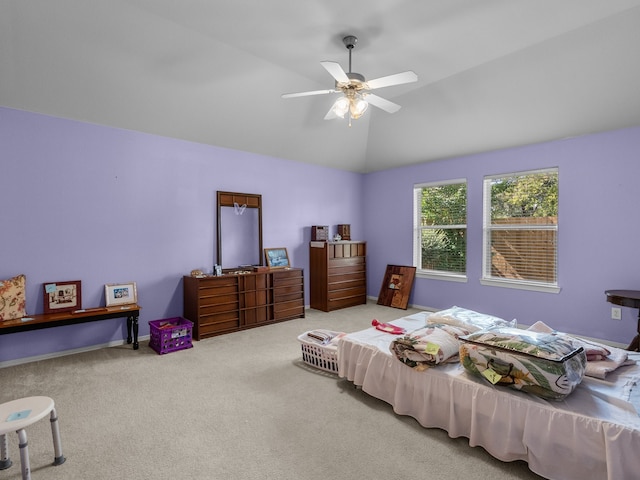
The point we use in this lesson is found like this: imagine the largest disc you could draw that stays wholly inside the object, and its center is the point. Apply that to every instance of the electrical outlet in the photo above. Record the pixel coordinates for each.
(616, 313)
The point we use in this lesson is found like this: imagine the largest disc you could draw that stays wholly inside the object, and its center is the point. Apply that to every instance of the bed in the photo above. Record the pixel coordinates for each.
(592, 433)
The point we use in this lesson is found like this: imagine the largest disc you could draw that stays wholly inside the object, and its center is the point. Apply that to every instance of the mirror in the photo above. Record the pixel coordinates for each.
(239, 229)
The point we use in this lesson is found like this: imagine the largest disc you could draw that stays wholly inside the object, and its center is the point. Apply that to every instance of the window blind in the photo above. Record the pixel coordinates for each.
(521, 227)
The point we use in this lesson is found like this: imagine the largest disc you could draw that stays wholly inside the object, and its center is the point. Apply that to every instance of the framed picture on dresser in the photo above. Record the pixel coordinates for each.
(277, 257)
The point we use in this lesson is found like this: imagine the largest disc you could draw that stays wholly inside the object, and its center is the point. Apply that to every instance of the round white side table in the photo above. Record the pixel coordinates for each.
(17, 415)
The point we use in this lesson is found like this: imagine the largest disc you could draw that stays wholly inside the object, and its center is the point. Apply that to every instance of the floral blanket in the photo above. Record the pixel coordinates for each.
(428, 346)
(601, 359)
(544, 364)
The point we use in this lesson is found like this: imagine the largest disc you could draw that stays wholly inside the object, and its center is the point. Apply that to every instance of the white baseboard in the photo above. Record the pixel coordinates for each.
(46, 356)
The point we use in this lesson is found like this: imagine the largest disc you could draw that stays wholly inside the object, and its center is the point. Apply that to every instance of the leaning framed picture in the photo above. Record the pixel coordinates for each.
(396, 286)
(277, 257)
(62, 296)
(120, 293)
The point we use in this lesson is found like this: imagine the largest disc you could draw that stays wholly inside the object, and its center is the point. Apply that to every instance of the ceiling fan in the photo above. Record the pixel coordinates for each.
(355, 89)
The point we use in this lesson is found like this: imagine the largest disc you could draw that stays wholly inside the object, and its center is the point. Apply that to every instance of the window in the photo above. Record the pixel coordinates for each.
(521, 230)
(440, 229)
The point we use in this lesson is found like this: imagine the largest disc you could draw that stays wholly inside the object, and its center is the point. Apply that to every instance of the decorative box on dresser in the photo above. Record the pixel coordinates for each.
(233, 302)
(338, 274)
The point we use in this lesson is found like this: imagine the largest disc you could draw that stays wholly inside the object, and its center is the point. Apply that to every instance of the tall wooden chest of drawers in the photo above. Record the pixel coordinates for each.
(338, 274)
(234, 302)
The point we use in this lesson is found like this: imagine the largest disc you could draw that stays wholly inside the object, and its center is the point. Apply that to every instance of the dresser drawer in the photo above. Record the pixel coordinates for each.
(291, 309)
(211, 282)
(346, 262)
(287, 277)
(214, 289)
(346, 302)
(346, 285)
(216, 308)
(222, 317)
(286, 290)
(208, 330)
(338, 277)
(218, 300)
(354, 291)
(288, 297)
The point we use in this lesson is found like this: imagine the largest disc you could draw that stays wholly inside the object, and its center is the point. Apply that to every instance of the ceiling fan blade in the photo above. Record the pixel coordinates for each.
(306, 94)
(336, 71)
(390, 80)
(381, 103)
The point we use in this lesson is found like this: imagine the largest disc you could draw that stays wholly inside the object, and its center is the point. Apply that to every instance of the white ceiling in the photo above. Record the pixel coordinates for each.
(491, 73)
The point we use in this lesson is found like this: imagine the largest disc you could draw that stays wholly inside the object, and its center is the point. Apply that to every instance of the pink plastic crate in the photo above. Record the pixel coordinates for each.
(171, 334)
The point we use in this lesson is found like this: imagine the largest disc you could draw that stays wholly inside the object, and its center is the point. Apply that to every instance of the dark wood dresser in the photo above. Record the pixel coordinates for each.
(338, 274)
(233, 302)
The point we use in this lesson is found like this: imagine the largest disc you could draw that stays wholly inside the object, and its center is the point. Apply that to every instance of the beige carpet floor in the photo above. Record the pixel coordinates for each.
(237, 406)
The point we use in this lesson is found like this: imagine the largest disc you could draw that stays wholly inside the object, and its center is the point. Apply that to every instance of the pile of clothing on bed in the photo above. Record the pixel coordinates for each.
(538, 360)
(438, 341)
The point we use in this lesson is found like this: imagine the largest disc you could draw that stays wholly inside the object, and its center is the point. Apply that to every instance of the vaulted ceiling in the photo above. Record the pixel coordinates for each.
(491, 74)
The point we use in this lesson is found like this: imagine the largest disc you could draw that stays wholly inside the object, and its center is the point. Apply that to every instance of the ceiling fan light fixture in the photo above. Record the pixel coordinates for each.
(341, 107)
(354, 105)
(357, 107)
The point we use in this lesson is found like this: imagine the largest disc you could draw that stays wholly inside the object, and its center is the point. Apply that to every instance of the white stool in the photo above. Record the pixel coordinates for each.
(15, 416)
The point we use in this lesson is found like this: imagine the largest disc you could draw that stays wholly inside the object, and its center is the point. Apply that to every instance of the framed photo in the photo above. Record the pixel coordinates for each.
(396, 286)
(62, 296)
(120, 293)
(277, 257)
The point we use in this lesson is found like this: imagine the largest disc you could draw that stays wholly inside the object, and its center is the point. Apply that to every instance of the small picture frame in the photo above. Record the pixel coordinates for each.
(62, 296)
(120, 294)
(277, 257)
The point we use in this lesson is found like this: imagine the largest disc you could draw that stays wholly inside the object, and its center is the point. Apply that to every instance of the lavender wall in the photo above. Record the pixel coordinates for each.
(598, 232)
(103, 205)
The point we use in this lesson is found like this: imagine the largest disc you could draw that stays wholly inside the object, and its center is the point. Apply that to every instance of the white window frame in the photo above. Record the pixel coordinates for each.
(487, 279)
(417, 234)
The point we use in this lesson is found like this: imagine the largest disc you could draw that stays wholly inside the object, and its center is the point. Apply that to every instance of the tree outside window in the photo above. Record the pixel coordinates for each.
(521, 227)
(440, 244)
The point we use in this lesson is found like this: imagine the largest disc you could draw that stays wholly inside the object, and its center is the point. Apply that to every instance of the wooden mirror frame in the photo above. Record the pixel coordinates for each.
(233, 199)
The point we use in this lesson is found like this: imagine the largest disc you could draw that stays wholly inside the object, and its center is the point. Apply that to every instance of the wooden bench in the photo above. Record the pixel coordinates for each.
(37, 322)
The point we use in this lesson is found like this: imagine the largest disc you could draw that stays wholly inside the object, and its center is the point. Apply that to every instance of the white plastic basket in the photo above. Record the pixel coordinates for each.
(317, 354)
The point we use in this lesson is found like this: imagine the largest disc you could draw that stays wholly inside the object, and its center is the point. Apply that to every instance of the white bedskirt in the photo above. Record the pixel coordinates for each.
(593, 434)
